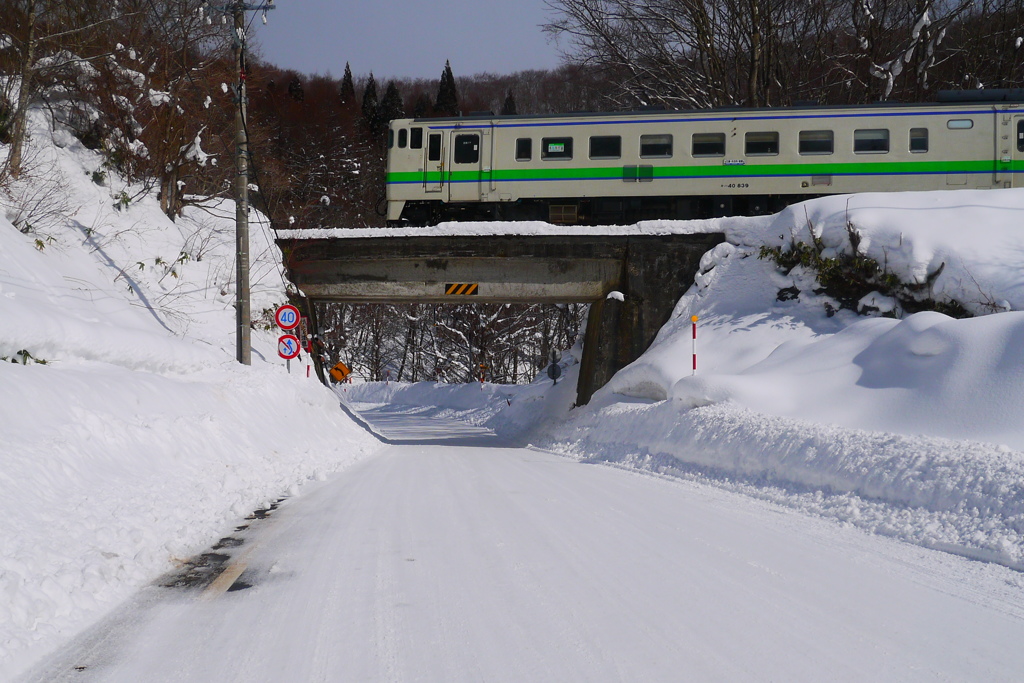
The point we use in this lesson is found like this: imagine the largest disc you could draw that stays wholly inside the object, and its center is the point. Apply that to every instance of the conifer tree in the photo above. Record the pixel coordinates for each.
(391, 107)
(421, 108)
(348, 90)
(509, 108)
(295, 90)
(370, 104)
(447, 103)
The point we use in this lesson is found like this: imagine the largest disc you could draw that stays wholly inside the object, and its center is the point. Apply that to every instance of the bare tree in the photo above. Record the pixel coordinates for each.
(47, 38)
(182, 110)
(670, 52)
(505, 343)
(899, 39)
(985, 47)
(699, 53)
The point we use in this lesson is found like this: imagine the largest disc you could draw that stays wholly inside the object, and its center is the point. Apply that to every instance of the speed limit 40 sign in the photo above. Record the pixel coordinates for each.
(287, 317)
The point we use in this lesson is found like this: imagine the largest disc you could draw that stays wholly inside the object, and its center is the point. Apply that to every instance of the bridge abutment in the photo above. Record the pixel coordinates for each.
(656, 272)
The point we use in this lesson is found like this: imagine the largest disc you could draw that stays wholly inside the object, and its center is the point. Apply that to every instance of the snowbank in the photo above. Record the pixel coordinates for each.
(110, 476)
(973, 235)
(923, 374)
(130, 439)
(911, 427)
(957, 496)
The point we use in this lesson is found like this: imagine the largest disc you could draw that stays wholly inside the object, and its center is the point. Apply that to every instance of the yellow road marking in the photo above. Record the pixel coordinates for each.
(223, 582)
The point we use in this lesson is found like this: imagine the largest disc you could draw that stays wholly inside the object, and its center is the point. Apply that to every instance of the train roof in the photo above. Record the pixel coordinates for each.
(943, 98)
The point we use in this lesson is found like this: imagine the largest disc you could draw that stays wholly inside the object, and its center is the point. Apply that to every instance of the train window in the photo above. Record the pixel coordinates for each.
(762, 144)
(524, 149)
(403, 138)
(391, 138)
(1020, 135)
(655, 146)
(708, 144)
(467, 149)
(415, 138)
(918, 139)
(871, 141)
(556, 148)
(605, 147)
(960, 124)
(434, 147)
(816, 142)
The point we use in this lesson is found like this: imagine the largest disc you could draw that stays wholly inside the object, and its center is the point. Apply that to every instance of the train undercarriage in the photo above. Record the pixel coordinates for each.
(597, 210)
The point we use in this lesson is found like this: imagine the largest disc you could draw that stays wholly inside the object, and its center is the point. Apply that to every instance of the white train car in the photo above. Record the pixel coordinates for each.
(623, 167)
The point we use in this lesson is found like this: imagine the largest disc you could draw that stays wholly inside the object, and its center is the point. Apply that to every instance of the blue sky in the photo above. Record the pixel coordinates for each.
(394, 38)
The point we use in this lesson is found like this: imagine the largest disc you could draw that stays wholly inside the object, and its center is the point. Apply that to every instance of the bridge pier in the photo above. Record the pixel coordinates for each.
(655, 274)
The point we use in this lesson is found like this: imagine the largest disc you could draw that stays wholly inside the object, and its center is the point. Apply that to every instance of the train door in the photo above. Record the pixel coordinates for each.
(433, 164)
(464, 173)
(1017, 152)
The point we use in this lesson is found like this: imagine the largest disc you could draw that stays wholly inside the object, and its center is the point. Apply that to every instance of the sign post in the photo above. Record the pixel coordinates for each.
(694, 320)
(554, 372)
(554, 369)
(305, 341)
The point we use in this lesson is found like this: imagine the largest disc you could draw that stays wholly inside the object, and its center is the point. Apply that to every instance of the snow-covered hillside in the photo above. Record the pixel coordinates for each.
(129, 436)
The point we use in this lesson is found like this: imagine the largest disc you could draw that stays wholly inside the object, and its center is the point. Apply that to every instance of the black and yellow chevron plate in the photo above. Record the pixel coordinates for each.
(460, 289)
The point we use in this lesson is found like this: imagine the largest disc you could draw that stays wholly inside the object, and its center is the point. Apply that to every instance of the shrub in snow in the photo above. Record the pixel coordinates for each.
(855, 280)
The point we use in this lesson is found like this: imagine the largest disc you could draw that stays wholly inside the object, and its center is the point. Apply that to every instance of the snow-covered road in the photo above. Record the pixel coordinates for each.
(476, 562)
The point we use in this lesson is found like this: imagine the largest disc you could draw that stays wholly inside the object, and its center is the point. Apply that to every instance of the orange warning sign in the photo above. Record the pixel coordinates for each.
(339, 372)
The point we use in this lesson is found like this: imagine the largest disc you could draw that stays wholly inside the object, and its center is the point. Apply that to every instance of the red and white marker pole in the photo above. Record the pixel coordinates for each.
(694, 319)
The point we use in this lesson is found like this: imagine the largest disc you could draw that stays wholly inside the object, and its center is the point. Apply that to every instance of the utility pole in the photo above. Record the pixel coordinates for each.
(243, 316)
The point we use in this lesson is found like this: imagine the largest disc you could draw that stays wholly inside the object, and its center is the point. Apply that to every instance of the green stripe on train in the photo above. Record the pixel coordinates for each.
(718, 172)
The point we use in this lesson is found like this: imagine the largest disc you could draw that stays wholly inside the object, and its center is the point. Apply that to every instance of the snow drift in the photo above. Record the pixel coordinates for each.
(130, 439)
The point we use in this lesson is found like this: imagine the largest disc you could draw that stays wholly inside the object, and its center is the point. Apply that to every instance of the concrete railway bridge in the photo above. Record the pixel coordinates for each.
(511, 263)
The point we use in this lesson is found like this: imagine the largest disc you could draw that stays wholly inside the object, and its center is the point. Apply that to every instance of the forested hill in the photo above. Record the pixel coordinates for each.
(149, 82)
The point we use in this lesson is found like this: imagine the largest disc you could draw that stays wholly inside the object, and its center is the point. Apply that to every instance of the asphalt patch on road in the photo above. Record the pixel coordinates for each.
(242, 582)
(228, 542)
(263, 513)
(199, 571)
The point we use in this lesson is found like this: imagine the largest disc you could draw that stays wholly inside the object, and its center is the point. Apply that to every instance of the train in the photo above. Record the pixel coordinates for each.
(624, 167)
